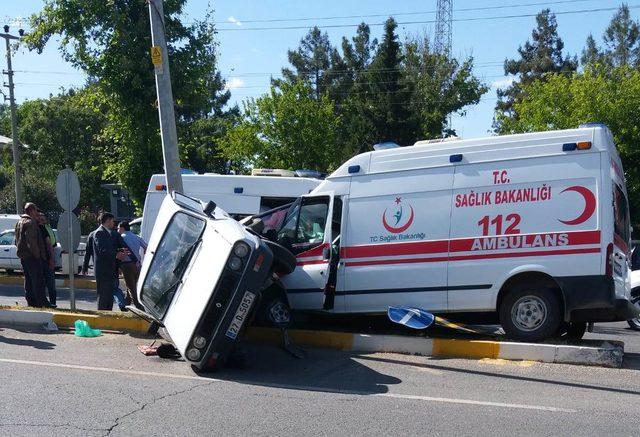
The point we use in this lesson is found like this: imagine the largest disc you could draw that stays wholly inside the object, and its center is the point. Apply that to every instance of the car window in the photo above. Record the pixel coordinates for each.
(7, 238)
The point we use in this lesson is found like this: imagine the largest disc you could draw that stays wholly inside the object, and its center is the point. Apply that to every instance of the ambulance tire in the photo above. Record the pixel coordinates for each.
(284, 262)
(530, 313)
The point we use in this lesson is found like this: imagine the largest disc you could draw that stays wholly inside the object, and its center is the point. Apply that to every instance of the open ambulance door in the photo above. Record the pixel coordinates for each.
(308, 232)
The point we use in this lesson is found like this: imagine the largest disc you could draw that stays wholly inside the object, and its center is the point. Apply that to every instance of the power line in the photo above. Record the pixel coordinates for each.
(399, 14)
(471, 19)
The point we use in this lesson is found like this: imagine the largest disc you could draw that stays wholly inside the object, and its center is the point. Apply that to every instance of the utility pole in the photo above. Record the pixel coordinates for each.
(14, 120)
(168, 134)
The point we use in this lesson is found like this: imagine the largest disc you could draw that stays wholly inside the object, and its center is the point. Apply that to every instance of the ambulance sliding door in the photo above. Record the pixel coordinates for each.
(521, 215)
(396, 240)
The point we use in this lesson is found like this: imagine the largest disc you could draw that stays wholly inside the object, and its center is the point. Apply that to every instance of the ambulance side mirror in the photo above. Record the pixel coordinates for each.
(209, 208)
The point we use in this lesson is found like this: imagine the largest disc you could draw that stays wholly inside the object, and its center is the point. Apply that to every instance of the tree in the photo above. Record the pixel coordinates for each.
(538, 57)
(621, 42)
(62, 131)
(311, 60)
(439, 86)
(287, 128)
(591, 53)
(611, 96)
(110, 42)
(386, 94)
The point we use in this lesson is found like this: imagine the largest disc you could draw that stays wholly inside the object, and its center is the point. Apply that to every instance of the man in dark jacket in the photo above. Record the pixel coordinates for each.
(33, 254)
(106, 251)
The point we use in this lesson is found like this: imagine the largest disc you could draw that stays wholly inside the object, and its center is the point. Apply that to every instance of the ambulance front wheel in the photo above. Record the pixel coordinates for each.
(529, 313)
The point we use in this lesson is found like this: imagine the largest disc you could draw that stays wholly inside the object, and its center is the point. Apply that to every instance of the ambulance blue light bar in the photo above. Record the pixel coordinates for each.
(238, 190)
(354, 168)
(455, 158)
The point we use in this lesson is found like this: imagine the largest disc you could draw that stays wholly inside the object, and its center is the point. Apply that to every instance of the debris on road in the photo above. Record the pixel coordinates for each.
(82, 329)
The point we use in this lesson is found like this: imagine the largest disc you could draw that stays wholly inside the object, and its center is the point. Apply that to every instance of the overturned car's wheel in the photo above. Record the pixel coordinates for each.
(284, 262)
(530, 313)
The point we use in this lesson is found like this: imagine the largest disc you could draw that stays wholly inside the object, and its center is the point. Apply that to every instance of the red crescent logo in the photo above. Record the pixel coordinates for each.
(393, 230)
(589, 205)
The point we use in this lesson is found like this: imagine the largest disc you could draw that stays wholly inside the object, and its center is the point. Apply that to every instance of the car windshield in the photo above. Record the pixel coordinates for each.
(169, 262)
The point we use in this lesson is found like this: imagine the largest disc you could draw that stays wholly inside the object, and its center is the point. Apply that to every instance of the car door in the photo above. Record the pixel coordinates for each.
(307, 233)
(8, 251)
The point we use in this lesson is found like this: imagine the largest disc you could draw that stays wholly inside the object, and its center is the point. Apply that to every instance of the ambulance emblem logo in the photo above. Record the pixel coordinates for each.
(399, 218)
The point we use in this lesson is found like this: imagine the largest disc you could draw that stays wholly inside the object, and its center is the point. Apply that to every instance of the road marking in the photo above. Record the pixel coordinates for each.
(295, 387)
(106, 369)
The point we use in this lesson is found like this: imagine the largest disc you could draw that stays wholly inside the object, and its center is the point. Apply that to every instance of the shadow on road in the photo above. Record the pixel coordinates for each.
(505, 376)
(37, 344)
(321, 371)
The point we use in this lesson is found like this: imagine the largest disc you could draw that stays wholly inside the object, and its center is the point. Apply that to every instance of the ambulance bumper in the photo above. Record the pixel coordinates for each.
(593, 299)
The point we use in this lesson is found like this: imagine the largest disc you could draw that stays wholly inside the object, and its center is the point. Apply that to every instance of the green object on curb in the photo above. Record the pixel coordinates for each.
(84, 330)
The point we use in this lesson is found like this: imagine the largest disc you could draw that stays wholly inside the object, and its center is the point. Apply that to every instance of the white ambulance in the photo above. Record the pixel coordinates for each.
(238, 195)
(531, 228)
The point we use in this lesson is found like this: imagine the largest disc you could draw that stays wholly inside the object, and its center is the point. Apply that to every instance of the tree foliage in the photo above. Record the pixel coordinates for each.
(110, 41)
(287, 128)
(621, 42)
(542, 55)
(387, 90)
(611, 96)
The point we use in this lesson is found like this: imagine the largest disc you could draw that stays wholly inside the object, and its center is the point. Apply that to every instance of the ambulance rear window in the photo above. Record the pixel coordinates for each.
(621, 214)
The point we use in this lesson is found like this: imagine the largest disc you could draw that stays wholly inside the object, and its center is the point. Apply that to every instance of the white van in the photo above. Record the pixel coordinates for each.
(531, 228)
(239, 196)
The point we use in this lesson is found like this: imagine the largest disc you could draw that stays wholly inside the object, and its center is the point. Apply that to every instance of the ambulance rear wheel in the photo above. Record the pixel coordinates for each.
(528, 313)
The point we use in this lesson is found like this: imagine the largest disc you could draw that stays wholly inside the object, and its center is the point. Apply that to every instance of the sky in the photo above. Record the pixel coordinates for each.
(248, 57)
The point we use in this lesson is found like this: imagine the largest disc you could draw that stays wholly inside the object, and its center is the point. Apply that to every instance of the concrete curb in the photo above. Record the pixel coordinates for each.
(605, 354)
(25, 317)
(595, 353)
(100, 320)
(79, 282)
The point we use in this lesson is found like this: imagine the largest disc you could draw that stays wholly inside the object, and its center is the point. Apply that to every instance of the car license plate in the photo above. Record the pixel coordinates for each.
(241, 315)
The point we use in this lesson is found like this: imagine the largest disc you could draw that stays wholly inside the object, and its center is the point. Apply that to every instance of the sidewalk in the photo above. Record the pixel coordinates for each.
(80, 282)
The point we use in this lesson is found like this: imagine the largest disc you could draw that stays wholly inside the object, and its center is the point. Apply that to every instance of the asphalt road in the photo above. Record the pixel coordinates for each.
(58, 384)
(86, 299)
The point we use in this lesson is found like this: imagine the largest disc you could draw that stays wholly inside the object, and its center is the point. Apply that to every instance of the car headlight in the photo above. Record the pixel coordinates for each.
(199, 342)
(193, 354)
(241, 250)
(235, 263)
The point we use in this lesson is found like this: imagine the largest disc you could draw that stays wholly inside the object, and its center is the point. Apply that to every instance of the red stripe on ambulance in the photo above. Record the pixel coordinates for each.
(545, 244)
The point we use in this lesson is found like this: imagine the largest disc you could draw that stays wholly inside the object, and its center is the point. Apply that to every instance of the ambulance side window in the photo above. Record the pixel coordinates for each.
(304, 227)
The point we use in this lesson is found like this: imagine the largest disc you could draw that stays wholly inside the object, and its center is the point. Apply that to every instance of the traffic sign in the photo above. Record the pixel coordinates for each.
(69, 240)
(156, 56)
(415, 318)
(68, 189)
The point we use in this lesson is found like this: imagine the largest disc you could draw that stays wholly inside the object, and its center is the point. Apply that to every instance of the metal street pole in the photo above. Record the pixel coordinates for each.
(168, 133)
(14, 125)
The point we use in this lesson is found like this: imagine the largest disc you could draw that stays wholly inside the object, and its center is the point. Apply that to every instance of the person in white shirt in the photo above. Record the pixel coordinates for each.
(130, 267)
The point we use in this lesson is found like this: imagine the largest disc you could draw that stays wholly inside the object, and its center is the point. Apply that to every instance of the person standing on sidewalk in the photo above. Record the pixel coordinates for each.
(118, 296)
(32, 253)
(49, 265)
(130, 267)
(105, 254)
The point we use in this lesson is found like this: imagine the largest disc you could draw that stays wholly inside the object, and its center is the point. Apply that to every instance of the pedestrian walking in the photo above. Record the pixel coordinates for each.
(130, 267)
(49, 265)
(103, 247)
(32, 253)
